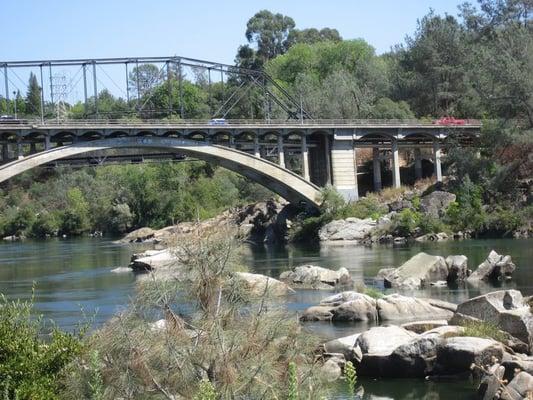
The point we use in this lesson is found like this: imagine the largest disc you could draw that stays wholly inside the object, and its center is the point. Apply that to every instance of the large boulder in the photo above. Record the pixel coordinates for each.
(520, 388)
(436, 203)
(456, 355)
(352, 229)
(503, 308)
(260, 285)
(139, 235)
(345, 306)
(395, 307)
(346, 346)
(153, 259)
(376, 346)
(422, 269)
(495, 267)
(314, 277)
(416, 358)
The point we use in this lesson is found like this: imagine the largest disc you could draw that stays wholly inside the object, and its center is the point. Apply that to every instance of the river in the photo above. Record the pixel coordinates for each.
(74, 282)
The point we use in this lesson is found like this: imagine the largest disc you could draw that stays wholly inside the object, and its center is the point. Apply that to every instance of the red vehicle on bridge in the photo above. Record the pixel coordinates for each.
(449, 121)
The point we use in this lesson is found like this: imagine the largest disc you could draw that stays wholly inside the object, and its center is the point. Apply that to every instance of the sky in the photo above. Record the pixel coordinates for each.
(203, 29)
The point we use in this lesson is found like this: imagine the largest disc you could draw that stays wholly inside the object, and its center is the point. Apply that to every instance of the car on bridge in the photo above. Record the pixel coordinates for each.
(449, 121)
(10, 119)
(218, 121)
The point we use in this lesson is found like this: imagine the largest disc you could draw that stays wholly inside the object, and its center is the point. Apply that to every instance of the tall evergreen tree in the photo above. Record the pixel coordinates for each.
(33, 97)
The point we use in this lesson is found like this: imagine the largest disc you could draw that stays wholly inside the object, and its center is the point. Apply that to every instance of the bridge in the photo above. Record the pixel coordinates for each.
(293, 158)
(293, 155)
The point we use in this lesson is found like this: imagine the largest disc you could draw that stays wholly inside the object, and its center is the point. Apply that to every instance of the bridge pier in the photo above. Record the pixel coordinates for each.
(281, 152)
(257, 149)
(305, 159)
(376, 162)
(396, 183)
(47, 145)
(5, 152)
(418, 164)
(437, 161)
(20, 153)
(343, 158)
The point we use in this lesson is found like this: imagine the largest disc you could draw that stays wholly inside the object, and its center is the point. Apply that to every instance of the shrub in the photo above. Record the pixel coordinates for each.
(30, 366)
(406, 222)
(45, 224)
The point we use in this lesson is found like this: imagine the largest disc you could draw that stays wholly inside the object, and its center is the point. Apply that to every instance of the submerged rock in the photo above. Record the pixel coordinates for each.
(314, 277)
(423, 270)
(259, 285)
(495, 267)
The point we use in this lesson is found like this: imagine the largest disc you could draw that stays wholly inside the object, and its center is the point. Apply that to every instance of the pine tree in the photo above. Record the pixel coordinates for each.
(33, 97)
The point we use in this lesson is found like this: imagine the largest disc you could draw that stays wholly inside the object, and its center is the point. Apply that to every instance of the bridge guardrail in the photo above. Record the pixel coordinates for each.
(240, 122)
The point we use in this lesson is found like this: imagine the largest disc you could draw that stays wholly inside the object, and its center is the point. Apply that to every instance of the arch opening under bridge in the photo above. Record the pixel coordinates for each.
(287, 184)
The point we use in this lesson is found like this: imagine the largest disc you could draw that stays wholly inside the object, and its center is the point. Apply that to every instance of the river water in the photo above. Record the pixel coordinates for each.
(74, 282)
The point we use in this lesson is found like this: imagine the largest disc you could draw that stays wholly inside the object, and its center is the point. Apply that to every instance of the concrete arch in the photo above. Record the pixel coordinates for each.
(280, 180)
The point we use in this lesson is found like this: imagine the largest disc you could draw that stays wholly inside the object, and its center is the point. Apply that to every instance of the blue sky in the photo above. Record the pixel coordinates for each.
(210, 30)
(44, 29)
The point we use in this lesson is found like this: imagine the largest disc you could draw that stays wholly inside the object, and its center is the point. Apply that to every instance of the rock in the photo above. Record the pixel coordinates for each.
(314, 277)
(158, 325)
(331, 370)
(436, 203)
(346, 346)
(520, 388)
(377, 345)
(503, 308)
(414, 359)
(353, 229)
(457, 354)
(139, 235)
(495, 267)
(152, 259)
(418, 272)
(397, 307)
(517, 362)
(346, 306)
(424, 326)
(491, 383)
(445, 331)
(457, 268)
(439, 284)
(14, 238)
(259, 285)
(399, 205)
(121, 270)
(433, 237)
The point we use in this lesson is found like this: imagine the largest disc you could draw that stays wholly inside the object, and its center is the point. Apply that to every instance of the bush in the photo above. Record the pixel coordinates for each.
(30, 366)
(406, 222)
(46, 224)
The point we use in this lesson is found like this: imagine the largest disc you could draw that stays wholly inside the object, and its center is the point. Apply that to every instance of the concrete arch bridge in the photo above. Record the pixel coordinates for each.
(291, 158)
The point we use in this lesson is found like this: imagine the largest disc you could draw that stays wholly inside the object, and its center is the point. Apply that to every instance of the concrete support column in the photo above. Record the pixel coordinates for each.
(418, 164)
(327, 153)
(395, 165)
(377, 169)
(305, 159)
(257, 149)
(436, 159)
(33, 148)
(47, 145)
(232, 141)
(19, 149)
(343, 159)
(281, 152)
(5, 152)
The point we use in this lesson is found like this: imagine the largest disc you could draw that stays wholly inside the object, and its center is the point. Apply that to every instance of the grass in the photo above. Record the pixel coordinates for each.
(483, 330)
(374, 293)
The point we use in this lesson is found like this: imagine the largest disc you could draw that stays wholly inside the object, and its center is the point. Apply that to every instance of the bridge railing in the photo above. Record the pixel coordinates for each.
(234, 122)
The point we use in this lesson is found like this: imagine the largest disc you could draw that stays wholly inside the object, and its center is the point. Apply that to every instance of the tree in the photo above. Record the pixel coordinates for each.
(143, 78)
(313, 35)
(432, 65)
(33, 96)
(269, 33)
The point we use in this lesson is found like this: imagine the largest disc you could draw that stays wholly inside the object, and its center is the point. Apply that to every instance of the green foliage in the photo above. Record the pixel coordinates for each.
(467, 212)
(206, 391)
(483, 329)
(292, 391)
(30, 365)
(372, 292)
(406, 222)
(351, 377)
(75, 219)
(46, 224)
(96, 381)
